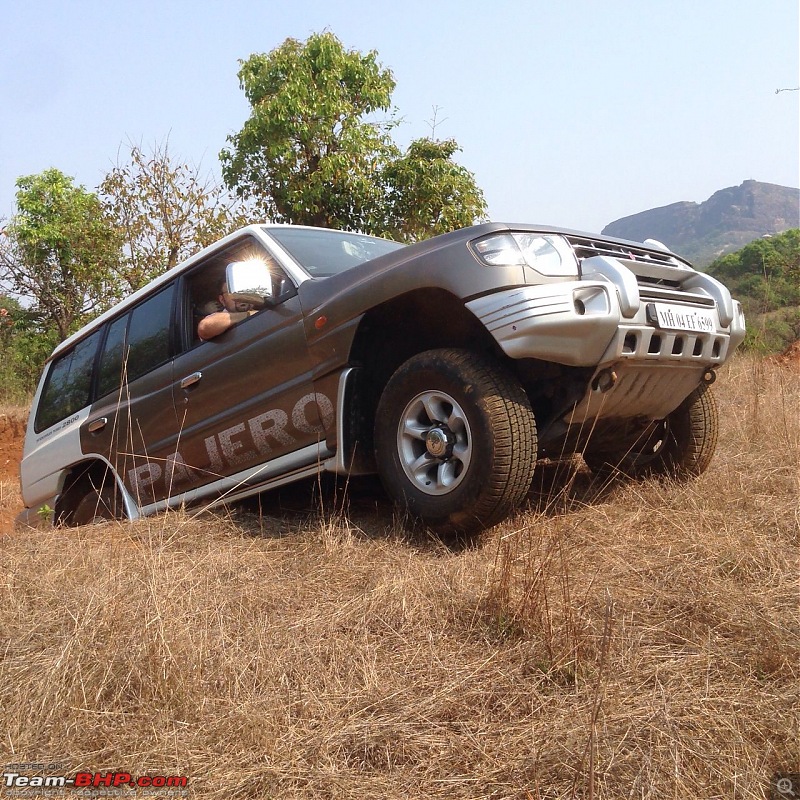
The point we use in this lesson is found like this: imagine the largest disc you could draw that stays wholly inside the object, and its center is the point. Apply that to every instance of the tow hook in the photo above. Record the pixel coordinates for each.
(604, 380)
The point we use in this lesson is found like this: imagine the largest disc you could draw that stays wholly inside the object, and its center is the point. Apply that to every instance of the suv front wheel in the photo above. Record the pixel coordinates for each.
(455, 440)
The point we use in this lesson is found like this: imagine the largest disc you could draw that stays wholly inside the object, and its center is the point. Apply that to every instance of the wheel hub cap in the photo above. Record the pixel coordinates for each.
(434, 442)
(439, 442)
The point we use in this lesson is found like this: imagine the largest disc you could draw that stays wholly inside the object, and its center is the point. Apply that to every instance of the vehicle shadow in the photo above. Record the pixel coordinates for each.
(568, 485)
(356, 504)
(360, 506)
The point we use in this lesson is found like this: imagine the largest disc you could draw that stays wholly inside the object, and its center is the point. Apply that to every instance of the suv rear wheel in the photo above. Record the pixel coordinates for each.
(455, 440)
(97, 505)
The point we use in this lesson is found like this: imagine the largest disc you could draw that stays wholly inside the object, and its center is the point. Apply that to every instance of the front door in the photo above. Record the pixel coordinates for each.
(244, 399)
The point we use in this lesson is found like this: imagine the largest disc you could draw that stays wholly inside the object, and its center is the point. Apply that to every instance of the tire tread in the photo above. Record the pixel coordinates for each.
(514, 440)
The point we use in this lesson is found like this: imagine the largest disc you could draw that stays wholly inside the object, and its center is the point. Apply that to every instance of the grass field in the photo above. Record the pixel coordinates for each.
(636, 640)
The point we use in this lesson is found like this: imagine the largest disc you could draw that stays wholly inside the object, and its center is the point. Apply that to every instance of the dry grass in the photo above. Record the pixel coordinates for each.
(631, 641)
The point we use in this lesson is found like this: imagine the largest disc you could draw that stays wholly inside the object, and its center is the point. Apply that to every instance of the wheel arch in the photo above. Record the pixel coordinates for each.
(387, 336)
(79, 479)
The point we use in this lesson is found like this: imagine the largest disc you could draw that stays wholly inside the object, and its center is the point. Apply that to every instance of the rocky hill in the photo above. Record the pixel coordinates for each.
(727, 221)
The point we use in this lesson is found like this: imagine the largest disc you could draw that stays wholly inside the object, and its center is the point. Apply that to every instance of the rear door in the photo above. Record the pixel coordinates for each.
(133, 422)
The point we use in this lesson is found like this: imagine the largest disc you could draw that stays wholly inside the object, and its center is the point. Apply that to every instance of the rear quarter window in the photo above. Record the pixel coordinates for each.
(68, 385)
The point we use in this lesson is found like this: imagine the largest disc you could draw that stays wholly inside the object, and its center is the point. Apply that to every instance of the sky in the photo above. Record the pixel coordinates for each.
(572, 113)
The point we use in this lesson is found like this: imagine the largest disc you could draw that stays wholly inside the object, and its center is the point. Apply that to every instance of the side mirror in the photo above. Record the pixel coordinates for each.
(250, 282)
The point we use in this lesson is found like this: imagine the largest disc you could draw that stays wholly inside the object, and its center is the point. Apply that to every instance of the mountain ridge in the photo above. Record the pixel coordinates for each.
(725, 222)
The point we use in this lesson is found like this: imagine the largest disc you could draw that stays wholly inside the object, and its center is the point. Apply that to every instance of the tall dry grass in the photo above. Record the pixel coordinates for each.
(622, 641)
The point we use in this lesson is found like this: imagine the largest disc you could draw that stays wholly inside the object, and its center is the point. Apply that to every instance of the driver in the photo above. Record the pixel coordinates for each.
(223, 313)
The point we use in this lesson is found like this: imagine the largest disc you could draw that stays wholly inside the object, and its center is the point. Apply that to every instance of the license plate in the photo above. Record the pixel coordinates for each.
(681, 318)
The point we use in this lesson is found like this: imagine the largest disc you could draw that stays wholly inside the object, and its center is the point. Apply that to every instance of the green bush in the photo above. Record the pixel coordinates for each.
(765, 274)
(773, 332)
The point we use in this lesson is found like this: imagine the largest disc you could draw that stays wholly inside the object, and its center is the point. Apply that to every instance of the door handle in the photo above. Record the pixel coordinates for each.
(97, 424)
(190, 380)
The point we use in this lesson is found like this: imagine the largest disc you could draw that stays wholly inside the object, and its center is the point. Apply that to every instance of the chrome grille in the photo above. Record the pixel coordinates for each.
(659, 274)
(586, 247)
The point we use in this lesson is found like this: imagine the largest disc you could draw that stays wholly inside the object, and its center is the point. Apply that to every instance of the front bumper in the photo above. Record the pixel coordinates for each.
(588, 323)
(608, 321)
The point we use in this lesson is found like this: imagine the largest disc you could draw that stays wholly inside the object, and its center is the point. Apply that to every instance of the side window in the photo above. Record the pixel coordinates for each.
(68, 384)
(149, 334)
(110, 373)
(136, 343)
(206, 283)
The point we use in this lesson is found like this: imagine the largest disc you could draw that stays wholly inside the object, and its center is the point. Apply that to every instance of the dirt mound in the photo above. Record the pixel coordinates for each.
(12, 436)
(790, 357)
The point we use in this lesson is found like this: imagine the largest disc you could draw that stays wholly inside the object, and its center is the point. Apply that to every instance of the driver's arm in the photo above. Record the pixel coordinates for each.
(218, 322)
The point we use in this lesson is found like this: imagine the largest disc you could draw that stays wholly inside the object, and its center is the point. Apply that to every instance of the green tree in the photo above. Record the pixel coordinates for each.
(428, 193)
(308, 154)
(24, 345)
(165, 211)
(314, 150)
(60, 250)
(764, 274)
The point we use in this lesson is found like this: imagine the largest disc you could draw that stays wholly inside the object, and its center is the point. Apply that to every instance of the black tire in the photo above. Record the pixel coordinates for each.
(97, 506)
(680, 446)
(455, 441)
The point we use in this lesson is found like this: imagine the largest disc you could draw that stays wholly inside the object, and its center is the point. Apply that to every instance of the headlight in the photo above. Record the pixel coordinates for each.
(546, 253)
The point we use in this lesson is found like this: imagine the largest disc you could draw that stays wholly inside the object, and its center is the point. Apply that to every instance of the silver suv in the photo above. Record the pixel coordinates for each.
(448, 367)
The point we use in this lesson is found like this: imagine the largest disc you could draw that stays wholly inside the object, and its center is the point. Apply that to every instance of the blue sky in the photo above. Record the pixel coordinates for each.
(571, 113)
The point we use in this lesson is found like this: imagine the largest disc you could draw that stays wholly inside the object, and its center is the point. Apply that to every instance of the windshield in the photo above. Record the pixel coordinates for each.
(323, 253)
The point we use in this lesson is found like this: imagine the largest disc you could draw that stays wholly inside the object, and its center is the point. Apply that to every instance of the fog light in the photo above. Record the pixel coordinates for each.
(590, 300)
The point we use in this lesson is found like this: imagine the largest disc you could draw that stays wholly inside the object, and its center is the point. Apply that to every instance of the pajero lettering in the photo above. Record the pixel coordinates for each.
(232, 446)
